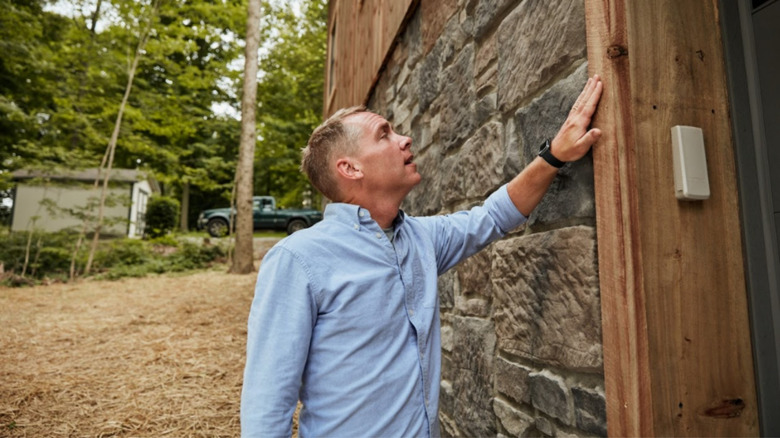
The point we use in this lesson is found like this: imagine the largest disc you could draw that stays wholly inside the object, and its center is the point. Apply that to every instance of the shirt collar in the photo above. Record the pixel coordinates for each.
(351, 214)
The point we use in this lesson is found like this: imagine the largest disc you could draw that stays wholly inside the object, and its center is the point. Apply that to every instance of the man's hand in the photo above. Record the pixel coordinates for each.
(570, 144)
(574, 139)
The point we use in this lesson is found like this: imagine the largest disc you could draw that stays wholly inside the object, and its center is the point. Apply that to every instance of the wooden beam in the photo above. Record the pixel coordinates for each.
(624, 326)
(677, 352)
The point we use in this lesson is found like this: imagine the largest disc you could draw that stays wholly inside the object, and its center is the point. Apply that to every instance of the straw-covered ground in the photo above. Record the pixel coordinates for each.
(149, 357)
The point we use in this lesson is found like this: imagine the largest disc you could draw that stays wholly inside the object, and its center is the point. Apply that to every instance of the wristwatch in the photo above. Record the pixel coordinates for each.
(546, 153)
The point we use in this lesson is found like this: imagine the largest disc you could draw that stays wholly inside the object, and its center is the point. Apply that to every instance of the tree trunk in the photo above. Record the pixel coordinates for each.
(115, 135)
(242, 260)
(185, 208)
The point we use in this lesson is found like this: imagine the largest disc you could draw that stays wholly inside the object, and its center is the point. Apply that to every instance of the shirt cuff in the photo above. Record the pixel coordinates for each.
(503, 210)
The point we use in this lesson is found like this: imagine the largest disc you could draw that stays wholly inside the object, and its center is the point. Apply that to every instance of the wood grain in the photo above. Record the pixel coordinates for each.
(677, 351)
(364, 36)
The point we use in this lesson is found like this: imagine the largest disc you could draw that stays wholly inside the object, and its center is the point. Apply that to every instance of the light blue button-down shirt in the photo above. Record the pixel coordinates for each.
(348, 323)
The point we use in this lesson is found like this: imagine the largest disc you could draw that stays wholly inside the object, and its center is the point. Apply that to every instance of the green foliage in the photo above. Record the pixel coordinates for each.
(162, 216)
(62, 80)
(123, 252)
(290, 99)
(114, 259)
(50, 252)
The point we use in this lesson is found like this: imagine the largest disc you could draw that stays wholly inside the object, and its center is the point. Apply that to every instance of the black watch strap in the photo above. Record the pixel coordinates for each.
(546, 153)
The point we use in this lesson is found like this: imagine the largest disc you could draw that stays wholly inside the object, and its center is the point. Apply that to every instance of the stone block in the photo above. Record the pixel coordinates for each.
(486, 108)
(512, 380)
(478, 167)
(427, 80)
(544, 425)
(411, 38)
(474, 275)
(550, 395)
(446, 398)
(454, 39)
(515, 161)
(403, 76)
(486, 55)
(475, 285)
(514, 421)
(590, 410)
(435, 15)
(459, 98)
(472, 306)
(571, 194)
(472, 356)
(446, 338)
(426, 198)
(487, 15)
(546, 299)
(447, 370)
(401, 115)
(537, 41)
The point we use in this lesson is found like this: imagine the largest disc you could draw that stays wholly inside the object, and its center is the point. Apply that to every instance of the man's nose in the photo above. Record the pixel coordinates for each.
(406, 142)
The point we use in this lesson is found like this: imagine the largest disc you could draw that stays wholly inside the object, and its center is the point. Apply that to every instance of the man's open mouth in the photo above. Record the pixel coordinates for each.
(409, 160)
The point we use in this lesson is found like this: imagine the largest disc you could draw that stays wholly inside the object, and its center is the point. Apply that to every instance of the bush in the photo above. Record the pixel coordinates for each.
(162, 216)
(50, 255)
(122, 252)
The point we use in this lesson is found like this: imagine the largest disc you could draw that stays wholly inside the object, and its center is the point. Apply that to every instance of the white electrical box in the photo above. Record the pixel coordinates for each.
(691, 182)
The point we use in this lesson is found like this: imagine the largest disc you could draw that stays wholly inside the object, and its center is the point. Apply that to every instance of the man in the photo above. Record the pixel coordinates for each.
(345, 316)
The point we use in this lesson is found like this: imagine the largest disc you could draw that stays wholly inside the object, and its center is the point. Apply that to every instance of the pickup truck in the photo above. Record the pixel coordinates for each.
(265, 217)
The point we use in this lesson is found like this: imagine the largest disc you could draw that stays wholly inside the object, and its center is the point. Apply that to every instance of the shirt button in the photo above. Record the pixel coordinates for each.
(411, 312)
(378, 235)
(361, 214)
(357, 226)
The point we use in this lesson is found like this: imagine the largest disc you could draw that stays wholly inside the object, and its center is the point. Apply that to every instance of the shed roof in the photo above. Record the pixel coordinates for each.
(117, 175)
(120, 175)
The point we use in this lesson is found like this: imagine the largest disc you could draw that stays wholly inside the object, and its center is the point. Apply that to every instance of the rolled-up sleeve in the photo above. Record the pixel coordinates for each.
(503, 211)
(281, 320)
(460, 235)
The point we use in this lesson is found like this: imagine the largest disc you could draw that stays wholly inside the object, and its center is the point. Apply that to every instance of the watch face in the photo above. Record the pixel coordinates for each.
(546, 153)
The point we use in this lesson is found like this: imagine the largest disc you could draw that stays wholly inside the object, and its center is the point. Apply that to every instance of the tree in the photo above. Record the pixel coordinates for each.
(61, 78)
(290, 99)
(242, 259)
(187, 60)
(110, 151)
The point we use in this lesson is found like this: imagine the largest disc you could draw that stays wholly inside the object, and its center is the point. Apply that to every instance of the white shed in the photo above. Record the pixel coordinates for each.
(52, 201)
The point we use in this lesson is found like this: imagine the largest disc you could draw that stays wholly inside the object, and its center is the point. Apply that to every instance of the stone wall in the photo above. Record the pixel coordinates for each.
(479, 84)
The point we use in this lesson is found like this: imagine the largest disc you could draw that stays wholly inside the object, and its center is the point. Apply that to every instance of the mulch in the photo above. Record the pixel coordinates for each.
(150, 357)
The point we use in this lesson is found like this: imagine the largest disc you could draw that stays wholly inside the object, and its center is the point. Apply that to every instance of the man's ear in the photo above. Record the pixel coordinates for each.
(348, 168)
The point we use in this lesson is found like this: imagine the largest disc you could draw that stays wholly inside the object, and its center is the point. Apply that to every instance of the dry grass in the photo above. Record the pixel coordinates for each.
(151, 357)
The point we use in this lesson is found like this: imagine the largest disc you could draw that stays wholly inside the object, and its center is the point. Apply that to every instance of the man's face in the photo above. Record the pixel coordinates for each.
(383, 156)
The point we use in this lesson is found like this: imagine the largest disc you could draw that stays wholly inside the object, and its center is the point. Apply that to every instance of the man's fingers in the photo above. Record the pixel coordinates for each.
(595, 95)
(589, 97)
(589, 139)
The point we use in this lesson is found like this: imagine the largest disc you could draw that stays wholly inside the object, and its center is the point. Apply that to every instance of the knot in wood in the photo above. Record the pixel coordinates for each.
(616, 51)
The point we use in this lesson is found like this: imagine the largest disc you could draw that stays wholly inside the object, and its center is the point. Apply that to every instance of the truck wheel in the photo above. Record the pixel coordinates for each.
(296, 225)
(217, 227)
